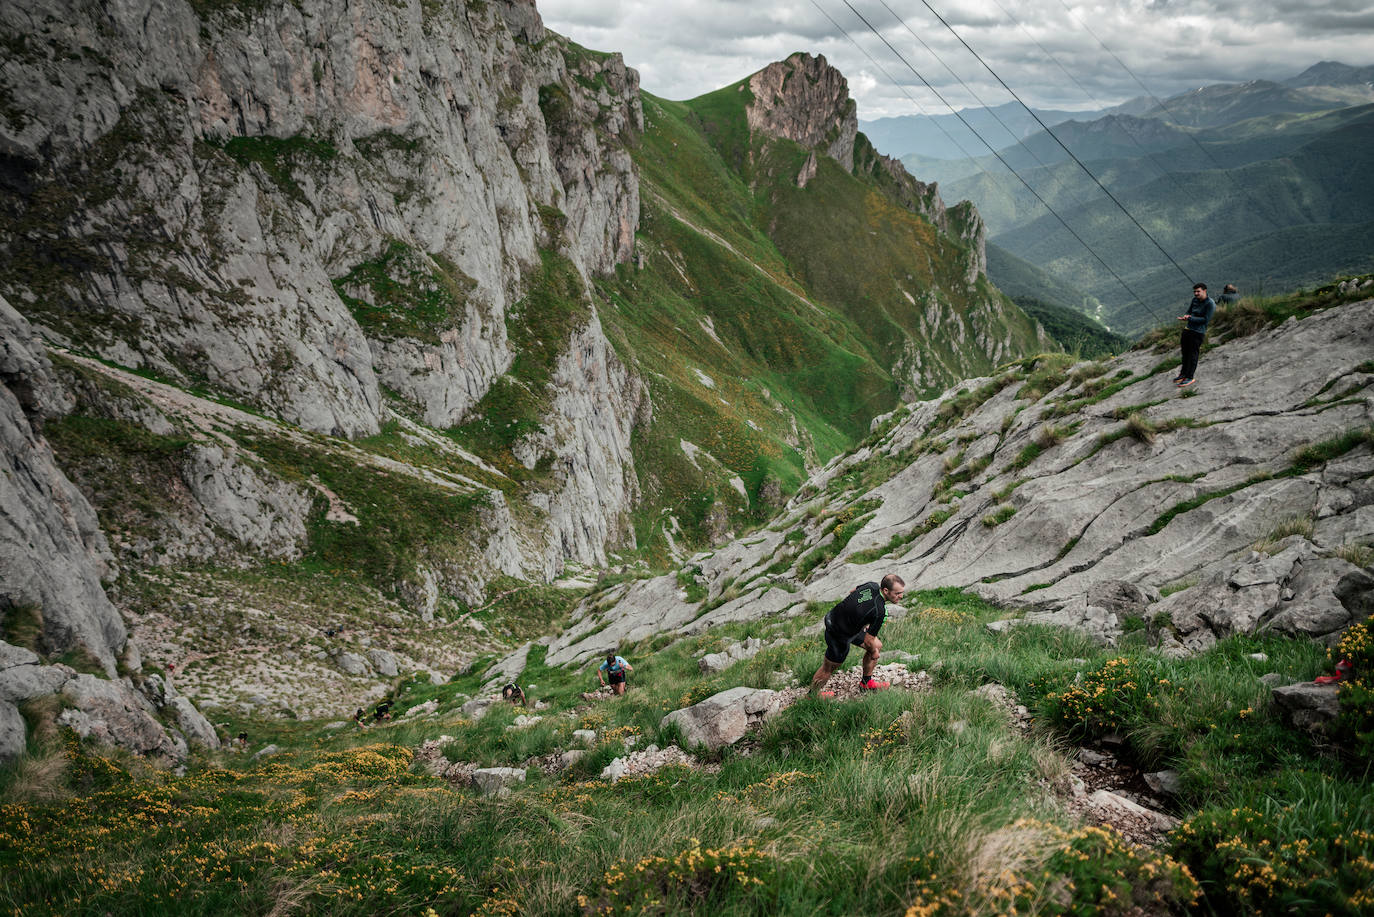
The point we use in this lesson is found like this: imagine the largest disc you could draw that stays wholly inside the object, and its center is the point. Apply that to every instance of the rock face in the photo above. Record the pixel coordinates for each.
(305, 207)
(53, 555)
(262, 177)
(1101, 519)
(805, 100)
(724, 718)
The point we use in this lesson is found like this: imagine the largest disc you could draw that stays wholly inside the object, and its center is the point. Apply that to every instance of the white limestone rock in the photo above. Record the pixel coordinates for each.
(13, 732)
(497, 781)
(114, 714)
(53, 555)
(724, 718)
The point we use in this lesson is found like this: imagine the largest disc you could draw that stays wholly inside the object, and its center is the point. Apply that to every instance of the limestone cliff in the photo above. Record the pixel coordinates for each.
(53, 554)
(229, 195)
(327, 211)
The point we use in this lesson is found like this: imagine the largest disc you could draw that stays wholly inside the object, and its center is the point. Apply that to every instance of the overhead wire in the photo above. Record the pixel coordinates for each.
(991, 149)
(900, 88)
(1051, 133)
(1165, 173)
(1160, 103)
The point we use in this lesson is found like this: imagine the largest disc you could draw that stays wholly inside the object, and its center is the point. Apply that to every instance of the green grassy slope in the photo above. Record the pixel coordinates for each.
(905, 802)
(766, 318)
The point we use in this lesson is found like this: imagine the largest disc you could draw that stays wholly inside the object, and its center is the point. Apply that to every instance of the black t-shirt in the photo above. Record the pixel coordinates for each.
(865, 607)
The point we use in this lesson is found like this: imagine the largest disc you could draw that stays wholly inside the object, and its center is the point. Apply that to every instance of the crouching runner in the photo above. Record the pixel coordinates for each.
(855, 621)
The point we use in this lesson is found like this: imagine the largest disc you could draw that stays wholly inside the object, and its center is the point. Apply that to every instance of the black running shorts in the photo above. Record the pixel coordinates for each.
(836, 647)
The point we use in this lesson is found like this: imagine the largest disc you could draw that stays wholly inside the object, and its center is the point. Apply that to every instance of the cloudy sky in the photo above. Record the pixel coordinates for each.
(1053, 53)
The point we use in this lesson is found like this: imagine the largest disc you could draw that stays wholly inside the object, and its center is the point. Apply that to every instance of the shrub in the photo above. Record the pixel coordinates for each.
(695, 880)
(1107, 700)
(1002, 514)
(1355, 724)
(1310, 855)
(1090, 870)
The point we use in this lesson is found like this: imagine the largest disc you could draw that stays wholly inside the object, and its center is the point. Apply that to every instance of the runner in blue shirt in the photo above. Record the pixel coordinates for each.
(615, 667)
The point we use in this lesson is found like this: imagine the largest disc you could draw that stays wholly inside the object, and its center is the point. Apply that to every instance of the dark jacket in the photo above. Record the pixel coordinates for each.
(1200, 312)
(863, 609)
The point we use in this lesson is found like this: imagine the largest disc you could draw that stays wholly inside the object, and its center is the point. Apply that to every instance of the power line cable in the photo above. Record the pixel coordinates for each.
(970, 90)
(1052, 134)
(1017, 141)
(1086, 92)
(900, 88)
(1000, 158)
(1160, 103)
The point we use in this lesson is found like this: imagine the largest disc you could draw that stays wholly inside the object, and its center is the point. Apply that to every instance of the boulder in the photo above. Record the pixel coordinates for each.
(497, 781)
(735, 652)
(586, 736)
(192, 722)
(477, 708)
(384, 661)
(1307, 706)
(13, 732)
(1165, 783)
(352, 664)
(724, 718)
(114, 714)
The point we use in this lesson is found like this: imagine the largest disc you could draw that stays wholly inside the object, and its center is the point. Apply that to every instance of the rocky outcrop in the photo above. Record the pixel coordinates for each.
(296, 205)
(53, 555)
(1298, 591)
(1062, 505)
(112, 712)
(805, 100)
(725, 718)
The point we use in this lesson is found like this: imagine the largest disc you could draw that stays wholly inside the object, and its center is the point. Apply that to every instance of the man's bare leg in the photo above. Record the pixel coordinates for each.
(870, 662)
(823, 675)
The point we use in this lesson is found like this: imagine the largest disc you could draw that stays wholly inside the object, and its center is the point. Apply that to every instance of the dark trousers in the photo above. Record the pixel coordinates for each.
(1191, 345)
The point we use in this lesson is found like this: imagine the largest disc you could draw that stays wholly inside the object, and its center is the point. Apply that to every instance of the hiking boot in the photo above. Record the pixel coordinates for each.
(874, 685)
(1177, 379)
(1186, 382)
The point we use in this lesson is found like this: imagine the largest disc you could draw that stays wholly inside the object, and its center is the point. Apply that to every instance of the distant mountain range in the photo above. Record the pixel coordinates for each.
(1259, 183)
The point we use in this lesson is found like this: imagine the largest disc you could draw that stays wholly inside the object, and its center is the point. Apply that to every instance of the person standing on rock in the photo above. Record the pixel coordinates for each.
(1199, 314)
(614, 668)
(855, 621)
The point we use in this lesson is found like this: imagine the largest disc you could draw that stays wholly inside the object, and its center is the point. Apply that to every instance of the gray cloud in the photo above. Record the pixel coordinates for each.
(683, 49)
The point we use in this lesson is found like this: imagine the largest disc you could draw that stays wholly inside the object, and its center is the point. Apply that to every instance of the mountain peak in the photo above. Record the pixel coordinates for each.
(805, 100)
